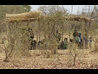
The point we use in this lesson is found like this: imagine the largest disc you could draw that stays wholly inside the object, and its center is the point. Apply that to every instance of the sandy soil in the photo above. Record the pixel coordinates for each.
(62, 60)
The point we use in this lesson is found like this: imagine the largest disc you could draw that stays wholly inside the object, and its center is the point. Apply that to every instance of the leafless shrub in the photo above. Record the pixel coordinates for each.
(73, 52)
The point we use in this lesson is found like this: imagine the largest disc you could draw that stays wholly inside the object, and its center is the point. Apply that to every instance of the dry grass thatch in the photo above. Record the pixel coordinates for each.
(28, 16)
(78, 18)
(21, 19)
(32, 14)
(70, 18)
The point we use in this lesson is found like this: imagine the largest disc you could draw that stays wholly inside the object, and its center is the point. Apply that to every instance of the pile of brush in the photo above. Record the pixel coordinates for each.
(28, 16)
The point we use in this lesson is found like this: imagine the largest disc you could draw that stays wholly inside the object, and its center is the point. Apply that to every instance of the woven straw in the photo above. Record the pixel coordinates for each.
(28, 16)
(32, 14)
(37, 14)
(21, 19)
(78, 18)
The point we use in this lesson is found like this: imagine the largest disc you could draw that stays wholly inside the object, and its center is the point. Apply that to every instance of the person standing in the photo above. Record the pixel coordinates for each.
(75, 33)
(80, 41)
(76, 36)
(65, 43)
(90, 42)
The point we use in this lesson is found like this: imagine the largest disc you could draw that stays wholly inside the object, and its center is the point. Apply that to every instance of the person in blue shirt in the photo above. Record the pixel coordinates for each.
(91, 39)
(80, 39)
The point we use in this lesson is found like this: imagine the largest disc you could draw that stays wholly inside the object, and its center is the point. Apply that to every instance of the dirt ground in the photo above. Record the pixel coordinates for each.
(62, 60)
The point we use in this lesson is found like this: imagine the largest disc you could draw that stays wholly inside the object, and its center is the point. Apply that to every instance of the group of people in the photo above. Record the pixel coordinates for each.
(79, 40)
(63, 44)
(31, 39)
(76, 39)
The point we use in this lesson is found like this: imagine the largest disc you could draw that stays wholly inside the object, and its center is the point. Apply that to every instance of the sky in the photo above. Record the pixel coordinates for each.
(76, 8)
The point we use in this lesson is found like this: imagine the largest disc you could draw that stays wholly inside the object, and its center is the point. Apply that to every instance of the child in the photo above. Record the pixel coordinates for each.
(90, 42)
(80, 41)
(61, 45)
(65, 43)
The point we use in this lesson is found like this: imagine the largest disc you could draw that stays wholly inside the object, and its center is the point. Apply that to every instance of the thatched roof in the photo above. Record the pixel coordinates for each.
(78, 18)
(32, 14)
(35, 15)
(27, 16)
(21, 19)
(69, 18)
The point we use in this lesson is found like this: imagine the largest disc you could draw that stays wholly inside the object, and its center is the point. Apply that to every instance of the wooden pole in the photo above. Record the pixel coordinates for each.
(39, 30)
(37, 38)
(86, 35)
(83, 34)
(62, 32)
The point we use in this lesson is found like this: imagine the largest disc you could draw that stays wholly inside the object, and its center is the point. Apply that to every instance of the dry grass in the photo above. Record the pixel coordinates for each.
(61, 60)
(27, 16)
(32, 14)
(39, 59)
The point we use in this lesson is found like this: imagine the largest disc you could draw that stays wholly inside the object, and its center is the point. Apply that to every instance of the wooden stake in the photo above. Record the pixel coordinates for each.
(39, 30)
(82, 31)
(86, 35)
